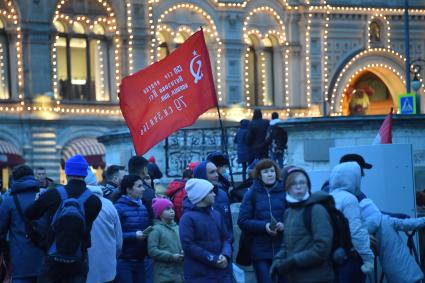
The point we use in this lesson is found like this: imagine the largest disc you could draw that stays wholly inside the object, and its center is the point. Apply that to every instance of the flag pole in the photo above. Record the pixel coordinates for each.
(224, 143)
(223, 137)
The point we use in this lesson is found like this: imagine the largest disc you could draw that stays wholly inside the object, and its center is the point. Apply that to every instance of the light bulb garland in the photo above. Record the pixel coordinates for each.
(386, 28)
(307, 59)
(211, 31)
(243, 4)
(9, 13)
(281, 38)
(111, 24)
(246, 78)
(357, 73)
(325, 73)
(130, 35)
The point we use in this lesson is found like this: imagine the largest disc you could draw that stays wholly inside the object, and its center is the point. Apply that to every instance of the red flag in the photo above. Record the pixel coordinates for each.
(169, 94)
(385, 132)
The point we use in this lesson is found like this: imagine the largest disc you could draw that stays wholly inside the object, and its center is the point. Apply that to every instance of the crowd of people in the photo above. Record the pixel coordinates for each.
(132, 228)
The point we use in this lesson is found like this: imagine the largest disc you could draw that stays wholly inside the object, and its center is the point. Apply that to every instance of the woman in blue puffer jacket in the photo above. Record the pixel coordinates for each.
(134, 219)
(261, 215)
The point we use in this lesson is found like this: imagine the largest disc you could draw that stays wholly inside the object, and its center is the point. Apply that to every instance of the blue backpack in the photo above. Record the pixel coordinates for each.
(69, 228)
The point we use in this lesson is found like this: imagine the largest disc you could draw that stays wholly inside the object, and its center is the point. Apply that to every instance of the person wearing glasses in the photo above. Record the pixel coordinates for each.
(305, 251)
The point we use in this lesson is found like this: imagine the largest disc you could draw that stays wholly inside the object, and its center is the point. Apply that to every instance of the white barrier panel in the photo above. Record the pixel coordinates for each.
(390, 182)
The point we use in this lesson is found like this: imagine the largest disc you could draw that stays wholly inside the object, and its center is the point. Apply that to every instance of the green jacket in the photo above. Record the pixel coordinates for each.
(310, 251)
(163, 242)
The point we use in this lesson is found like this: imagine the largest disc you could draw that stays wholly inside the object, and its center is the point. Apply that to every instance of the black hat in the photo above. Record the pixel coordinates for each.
(356, 158)
(219, 159)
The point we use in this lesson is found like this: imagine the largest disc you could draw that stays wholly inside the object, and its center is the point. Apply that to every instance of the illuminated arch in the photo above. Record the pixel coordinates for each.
(210, 30)
(384, 63)
(110, 22)
(254, 38)
(272, 12)
(11, 21)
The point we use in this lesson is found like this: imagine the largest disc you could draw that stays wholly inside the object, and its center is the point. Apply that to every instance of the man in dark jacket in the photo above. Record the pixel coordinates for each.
(276, 139)
(243, 150)
(26, 256)
(113, 176)
(49, 202)
(153, 169)
(256, 136)
(206, 244)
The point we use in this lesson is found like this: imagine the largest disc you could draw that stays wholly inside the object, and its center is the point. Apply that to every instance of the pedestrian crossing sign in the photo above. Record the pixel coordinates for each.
(407, 103)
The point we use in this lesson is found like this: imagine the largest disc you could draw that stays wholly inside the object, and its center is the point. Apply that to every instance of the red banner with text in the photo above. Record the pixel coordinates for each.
(169, 94)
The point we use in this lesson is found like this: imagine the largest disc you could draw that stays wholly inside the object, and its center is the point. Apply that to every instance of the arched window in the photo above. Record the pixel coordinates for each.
(252, 73)
(82, 62)
(5, 92)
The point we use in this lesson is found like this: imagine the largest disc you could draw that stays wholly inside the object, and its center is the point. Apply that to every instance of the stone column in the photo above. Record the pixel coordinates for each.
(37, 61)
(232, 65)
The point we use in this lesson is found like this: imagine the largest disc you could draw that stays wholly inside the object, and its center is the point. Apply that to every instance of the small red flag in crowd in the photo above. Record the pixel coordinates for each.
(385, 132)
(169, 94)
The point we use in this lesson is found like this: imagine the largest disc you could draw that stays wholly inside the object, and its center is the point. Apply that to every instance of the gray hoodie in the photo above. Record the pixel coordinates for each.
(344, 185)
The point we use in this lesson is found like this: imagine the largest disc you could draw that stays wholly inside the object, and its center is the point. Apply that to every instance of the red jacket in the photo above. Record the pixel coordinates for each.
(177, 193)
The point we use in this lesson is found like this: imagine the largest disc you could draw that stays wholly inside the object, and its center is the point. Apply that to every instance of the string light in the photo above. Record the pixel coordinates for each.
(288, 109)
(211, 31)
(101, 71)
(325, 52)
(281, 38)
(10, 13)
(242, 4)
(130, 36)
(111, 24)
(246, 78)
(263, 78)
(307, 60)
(387, 28)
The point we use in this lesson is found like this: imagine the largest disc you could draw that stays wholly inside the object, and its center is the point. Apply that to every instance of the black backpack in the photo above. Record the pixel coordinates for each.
(341, 243)
(69, 227)
(277, 139)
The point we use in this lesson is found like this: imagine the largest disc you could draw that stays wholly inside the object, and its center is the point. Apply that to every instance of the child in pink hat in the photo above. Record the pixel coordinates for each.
(164, 245)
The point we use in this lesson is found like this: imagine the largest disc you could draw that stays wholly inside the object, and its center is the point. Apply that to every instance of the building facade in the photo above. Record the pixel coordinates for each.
(61, 63)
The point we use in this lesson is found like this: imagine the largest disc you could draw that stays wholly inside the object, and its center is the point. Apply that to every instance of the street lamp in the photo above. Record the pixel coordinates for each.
(415, 69)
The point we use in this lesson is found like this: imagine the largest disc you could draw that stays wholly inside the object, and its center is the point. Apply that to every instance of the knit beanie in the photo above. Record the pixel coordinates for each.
(159, 205)
(197, 189)
(76, 166)
(289, 170)
(200, 171)
(219, 159)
